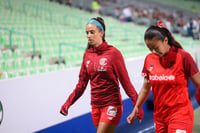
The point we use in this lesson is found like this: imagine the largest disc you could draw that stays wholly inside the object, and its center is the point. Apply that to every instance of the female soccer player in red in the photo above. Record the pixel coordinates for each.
(103, 65)
(166, 70)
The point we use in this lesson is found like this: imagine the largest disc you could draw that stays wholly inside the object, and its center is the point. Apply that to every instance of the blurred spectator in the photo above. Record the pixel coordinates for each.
(69, 2)
(117, 12)
(127, 14)
(193, 28)
(96, 6)
(143, 17)
(59, 1)
(198, 20)
(179, 26)
(135, 14)
(194, 9)
(176, 21)
(168, 24)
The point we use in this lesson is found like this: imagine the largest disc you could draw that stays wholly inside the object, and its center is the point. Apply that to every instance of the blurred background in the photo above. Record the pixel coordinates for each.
(46, 38)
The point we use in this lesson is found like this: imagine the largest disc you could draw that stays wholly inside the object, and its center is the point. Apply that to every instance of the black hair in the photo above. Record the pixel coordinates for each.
(159, 33)
(101, 21)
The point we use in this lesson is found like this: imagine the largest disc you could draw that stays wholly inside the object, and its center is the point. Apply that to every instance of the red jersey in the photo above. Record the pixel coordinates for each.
(170, 84)
(103, 66)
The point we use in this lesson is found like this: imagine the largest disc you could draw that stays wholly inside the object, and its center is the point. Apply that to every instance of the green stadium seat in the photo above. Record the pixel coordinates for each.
(67, 25)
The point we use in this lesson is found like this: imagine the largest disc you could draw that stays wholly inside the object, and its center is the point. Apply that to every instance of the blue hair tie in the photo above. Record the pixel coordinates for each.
(93, 21)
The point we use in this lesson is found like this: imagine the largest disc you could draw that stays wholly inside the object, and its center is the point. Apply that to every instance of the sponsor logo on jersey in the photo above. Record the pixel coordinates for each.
(162, 77)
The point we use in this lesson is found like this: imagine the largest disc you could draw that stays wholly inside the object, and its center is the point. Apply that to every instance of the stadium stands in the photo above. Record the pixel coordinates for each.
(190, 5)
(35, 29)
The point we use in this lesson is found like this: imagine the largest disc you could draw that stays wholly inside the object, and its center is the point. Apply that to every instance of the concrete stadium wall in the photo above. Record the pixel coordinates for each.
(32, 103)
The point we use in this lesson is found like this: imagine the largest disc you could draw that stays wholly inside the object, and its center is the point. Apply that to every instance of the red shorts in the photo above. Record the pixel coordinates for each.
(174, 127)
(109, 114)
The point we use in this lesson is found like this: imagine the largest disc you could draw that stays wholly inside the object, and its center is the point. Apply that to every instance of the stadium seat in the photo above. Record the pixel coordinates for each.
(67, 25)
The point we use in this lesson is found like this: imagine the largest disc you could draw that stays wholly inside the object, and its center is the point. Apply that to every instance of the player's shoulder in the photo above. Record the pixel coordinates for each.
(113, 49)
(151, 56)
(183, 53)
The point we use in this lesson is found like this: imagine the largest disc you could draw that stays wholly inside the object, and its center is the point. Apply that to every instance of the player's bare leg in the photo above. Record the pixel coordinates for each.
(105, 128)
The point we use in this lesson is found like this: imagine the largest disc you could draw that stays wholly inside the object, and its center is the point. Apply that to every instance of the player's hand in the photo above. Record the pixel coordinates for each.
(140, 114)
(64, 110)
(132, 116)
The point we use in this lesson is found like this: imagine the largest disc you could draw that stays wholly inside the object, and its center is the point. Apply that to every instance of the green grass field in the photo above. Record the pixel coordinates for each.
(196, 128)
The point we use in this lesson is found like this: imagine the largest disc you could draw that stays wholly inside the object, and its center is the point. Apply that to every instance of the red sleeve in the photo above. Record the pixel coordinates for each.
(145, 72)
(80, 87)
(190, 69)
(122, 74)
(189, 65)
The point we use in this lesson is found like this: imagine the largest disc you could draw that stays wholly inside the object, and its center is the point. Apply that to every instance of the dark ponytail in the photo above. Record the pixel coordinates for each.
(159, 33)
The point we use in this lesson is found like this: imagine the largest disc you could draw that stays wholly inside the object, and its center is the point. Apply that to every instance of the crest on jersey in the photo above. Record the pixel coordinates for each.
(102, 63)
(151, 67)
